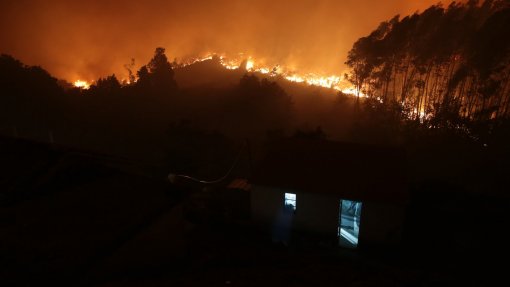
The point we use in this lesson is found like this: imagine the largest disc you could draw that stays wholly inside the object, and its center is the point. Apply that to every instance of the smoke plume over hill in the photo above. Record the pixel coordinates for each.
(88, 39)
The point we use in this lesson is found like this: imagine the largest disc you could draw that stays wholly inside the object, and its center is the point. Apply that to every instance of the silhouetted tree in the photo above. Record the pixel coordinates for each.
(143, 78)
(109, 86)
(264, 103)
(30, 96)
(157, 77)
(161, 72)
(443, 66)
(129, 68)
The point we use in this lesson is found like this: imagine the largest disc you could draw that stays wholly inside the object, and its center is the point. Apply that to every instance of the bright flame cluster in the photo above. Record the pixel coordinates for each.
(81, 84)
(330, 82)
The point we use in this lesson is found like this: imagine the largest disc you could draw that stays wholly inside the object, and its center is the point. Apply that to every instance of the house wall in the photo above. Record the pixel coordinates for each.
(266, 203)
(314, 213)
(381, 223)
(317, 213)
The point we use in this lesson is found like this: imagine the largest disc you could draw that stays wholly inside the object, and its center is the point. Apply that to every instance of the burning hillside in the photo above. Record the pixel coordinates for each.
(250, 64)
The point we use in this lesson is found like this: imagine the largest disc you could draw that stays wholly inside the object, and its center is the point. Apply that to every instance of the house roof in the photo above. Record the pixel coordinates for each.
(351, 171)
(239, 183)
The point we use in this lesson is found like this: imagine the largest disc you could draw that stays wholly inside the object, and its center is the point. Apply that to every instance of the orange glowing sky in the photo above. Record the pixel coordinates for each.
(88, 39)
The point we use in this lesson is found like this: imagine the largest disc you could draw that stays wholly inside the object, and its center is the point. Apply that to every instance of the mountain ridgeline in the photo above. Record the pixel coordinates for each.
(436, 82)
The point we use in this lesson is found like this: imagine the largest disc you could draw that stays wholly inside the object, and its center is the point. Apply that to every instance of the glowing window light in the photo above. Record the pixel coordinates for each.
(290, 200)
(349, 222)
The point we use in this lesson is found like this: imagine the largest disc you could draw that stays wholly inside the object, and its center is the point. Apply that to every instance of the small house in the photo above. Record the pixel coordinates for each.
(352, 192)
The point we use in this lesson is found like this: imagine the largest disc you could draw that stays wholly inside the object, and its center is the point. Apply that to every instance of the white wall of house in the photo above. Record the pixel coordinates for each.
(314, 212)
(381, 223)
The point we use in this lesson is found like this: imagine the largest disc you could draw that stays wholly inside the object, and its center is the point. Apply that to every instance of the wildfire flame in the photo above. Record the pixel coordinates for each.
(331, 82)
(81, 84)
(250, 64)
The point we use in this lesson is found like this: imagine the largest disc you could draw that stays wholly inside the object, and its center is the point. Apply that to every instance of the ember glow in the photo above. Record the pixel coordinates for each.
(326, 81)
(81, 84)
(249, 65)
(76, 41)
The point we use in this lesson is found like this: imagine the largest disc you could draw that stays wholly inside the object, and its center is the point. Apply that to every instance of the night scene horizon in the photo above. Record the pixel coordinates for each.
(254, 143)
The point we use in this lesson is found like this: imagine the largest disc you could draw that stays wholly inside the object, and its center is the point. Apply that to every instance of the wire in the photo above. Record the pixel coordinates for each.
(173, 177)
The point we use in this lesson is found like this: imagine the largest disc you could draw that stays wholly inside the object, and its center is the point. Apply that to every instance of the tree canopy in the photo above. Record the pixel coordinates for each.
(158, 74)
(445, 65)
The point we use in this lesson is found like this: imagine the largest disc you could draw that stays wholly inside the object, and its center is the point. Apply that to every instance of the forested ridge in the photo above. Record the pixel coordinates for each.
(445, 65)
(435, 83)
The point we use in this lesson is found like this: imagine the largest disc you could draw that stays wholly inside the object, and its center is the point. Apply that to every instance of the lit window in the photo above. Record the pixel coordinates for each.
(290, 200)
(348, 224)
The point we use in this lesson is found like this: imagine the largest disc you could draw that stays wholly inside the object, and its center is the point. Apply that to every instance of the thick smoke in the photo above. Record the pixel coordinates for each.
(89, 39)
